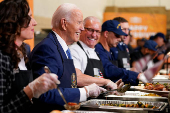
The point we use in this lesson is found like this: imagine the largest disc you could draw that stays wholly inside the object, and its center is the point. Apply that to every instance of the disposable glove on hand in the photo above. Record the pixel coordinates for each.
(119, 83)
(94, 90)
(43, 83)
(111, 85)
(143, 78)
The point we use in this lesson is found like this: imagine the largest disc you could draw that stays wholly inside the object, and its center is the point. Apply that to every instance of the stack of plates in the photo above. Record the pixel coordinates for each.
(164, 71)
(161, 79)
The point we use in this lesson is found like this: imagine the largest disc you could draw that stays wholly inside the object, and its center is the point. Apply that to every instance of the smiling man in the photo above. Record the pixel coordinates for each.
(53, 51)
(88, 66)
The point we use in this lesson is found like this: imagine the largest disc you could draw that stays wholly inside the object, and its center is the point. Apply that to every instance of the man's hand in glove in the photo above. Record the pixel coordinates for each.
(119, 83)
(94, 90)
(111, 85)
(42, 84)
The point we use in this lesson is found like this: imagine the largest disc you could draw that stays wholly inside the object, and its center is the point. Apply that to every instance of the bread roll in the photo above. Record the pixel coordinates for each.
(55, 111)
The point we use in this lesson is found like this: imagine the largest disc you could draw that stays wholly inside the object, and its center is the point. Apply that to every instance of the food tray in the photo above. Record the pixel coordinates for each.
(165, 77)
(83, 111)
(164, 71)
(161, 79)
(96, 103)
(136, 96)
(139, 88)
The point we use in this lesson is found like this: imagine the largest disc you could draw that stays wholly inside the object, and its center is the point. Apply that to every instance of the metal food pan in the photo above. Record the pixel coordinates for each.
(83, 111)
(96, 103)
(136, 96)
(161, 81)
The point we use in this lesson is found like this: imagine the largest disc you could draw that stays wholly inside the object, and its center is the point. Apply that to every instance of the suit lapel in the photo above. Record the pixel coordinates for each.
(53, 37)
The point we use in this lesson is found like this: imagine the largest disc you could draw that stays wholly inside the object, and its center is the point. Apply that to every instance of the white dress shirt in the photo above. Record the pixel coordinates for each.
(21, 64)
(80, 57)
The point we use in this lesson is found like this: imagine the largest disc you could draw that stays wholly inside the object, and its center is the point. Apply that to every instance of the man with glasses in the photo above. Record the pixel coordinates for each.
(121, 52)
(110, 37)
(88, 66)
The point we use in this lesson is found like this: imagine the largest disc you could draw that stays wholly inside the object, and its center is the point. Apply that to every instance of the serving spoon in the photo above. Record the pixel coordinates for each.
(66, 105)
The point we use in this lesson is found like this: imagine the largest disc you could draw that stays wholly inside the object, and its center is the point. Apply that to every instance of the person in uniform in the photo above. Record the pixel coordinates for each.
(160, 39)
(149, 48)
(110, 37)
(17, 87)
(140, 43)
(121, 53)
(53, 52)
(88, 65)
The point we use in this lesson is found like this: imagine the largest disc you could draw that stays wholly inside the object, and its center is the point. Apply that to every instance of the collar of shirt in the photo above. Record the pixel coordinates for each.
(89, 51)
(62, 43)
(122, 46)
(121, 43)
(21, 64)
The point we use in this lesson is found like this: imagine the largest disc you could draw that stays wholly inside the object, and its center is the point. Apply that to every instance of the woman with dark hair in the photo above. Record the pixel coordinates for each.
(16, 85)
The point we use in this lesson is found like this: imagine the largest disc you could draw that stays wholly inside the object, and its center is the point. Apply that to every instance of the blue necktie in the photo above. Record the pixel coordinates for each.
(68, 53)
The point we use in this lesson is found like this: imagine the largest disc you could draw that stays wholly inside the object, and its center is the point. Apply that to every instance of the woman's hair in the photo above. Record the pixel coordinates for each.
(13, 17)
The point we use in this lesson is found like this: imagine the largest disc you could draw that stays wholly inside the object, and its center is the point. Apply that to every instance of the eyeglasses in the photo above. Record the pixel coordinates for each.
(90, 30)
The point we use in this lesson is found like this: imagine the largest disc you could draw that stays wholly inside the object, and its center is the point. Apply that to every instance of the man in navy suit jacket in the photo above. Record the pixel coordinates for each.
(67, 24)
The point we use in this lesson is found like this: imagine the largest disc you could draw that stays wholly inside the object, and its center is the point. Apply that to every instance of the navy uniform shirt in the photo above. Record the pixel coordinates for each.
(112, 72)
(159, 53)
(122, 47)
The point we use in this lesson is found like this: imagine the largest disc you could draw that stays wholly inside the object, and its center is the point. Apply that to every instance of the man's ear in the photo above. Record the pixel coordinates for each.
(106, 33)
(146, 50)
(63, 23)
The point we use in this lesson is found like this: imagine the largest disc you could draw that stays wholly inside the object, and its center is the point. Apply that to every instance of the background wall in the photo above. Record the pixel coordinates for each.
(44, 9)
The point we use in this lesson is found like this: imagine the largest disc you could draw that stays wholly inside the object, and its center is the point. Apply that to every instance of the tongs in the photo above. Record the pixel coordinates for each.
(120, 90)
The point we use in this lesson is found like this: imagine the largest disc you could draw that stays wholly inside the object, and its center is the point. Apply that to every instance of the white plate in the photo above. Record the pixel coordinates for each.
(150, 91)
(130, 94)
(164, 77)
(164, 71)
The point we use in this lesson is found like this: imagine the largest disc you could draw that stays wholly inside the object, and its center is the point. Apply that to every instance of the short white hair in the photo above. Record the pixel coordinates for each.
(93, 18)
(63, 11)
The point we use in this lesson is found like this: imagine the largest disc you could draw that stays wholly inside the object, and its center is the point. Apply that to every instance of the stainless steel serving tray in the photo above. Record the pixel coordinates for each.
(139, 88)
(136, 96)
(161, 79)
(83, 111)
(96, 104)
